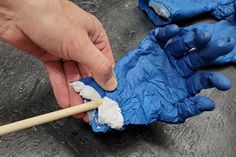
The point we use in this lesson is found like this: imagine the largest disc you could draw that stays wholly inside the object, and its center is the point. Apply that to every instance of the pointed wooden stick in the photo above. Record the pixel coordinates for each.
(48, 117)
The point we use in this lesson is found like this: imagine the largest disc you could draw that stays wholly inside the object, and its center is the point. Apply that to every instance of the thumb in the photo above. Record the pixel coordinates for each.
(99, 65)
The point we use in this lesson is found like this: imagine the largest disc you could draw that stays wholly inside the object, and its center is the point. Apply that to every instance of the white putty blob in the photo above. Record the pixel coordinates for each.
(160, 9)
(108, 112)
(85, 91)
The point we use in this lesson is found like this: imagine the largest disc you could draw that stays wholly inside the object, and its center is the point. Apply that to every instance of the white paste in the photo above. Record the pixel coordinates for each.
(108, 112)
(85, 91)
(160, 9)
(77, 86)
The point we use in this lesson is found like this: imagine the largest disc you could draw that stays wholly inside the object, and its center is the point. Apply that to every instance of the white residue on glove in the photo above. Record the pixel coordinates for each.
(160, 9)
(108, 112)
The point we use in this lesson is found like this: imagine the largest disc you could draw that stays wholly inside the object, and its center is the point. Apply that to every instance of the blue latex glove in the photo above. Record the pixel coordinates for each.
(154, 85)
(163, 12)
(219, 29)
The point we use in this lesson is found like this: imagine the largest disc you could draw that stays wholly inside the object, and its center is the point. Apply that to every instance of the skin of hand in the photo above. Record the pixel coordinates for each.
(69, 41)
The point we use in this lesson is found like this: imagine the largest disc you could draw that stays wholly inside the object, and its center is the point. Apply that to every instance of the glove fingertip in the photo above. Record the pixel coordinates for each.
(223, 46)
(227, 42)
(195, 106)
(204, 103)
(220, 81)
(167, 32)
(173, 28)
(202, 36)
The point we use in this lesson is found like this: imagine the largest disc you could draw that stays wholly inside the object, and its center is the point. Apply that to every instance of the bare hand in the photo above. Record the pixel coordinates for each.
(69, 41)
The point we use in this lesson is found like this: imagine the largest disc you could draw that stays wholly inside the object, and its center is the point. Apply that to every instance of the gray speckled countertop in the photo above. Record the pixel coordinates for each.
(25, 91)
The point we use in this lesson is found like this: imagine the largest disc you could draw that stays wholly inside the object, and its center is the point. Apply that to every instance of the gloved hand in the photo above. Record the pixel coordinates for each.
(154, 85)
(219, 29)
(163, 12)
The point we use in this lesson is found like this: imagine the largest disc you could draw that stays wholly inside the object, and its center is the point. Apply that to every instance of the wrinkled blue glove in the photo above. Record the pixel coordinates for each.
(219, 29)
(163, 12)
(154, 85)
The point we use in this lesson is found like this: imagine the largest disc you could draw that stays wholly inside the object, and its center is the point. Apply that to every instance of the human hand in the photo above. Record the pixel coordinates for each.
(159, 81)
(69, 41)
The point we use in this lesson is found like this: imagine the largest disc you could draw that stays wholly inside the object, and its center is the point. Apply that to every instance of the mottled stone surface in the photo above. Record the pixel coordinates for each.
(25, 92)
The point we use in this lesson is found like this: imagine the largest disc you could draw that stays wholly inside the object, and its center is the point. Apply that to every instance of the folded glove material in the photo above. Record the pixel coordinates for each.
(218, 30)
(159, 81)
(163, 12)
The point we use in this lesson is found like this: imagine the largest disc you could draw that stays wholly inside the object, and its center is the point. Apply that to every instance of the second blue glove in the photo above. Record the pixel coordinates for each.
(163, 12)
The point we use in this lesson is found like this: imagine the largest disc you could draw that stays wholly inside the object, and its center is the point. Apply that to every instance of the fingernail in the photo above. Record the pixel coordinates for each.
(111, 84)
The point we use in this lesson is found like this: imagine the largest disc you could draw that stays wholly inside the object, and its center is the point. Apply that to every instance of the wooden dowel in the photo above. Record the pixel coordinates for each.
(48, 117)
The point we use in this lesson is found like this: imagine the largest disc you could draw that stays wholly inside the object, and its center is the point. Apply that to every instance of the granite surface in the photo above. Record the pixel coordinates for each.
(26, 92)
